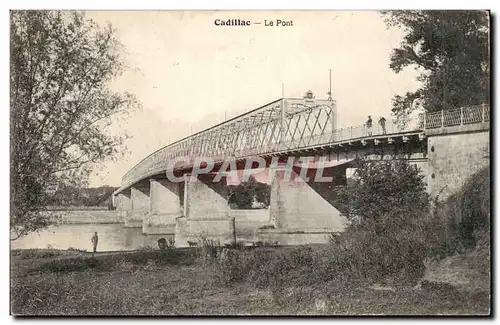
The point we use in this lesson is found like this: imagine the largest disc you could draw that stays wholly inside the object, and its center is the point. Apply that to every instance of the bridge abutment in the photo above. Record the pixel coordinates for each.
(164, 208)
(302, 211)
(454, 155)
(206, 212)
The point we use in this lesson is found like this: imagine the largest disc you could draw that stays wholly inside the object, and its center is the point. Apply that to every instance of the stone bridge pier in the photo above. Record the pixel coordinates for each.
(303, 210)
(140, 205)
(164, 207)
(123, 204)
(206, 212)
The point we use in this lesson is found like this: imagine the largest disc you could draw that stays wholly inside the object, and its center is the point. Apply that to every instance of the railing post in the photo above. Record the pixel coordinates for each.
(351, 133)
(442, 118)
(425, 119)
(461, 115)
(483, 109)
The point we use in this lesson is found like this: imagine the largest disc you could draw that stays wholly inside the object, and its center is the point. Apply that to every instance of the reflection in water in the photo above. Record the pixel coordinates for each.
(112, 237)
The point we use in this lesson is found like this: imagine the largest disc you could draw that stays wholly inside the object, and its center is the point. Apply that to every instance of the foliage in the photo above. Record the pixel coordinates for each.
(396, 257)
(262, 267)
(388, 200)
(382, 188)
(67, 195)
(464, 215)
(244, 194)
(61, 107)
(450, 49)
(482, 251)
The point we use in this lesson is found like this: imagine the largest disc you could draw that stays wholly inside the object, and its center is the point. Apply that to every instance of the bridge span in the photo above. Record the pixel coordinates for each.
(447, 145)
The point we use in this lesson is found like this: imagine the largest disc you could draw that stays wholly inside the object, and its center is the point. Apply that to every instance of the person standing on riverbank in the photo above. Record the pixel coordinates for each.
(95, 239)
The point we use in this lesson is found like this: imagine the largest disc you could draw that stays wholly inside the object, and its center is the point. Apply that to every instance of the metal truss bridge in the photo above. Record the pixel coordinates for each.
(284, 126)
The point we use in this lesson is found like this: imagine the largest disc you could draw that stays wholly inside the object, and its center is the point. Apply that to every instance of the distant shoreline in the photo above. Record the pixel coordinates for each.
(77, 222)
(79, 215)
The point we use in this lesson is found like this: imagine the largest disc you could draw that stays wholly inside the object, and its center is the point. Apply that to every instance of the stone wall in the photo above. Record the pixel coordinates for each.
(454, 154)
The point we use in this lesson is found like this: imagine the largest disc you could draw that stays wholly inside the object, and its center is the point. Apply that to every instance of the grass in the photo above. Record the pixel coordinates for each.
(267, 281)
(45, 253)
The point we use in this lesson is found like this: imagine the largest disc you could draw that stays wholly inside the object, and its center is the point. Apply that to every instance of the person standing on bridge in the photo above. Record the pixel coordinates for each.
(369, 125)
(95, 240)
(382, 124)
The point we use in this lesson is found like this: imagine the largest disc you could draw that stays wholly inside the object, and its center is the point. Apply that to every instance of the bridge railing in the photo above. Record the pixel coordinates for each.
(459, 116)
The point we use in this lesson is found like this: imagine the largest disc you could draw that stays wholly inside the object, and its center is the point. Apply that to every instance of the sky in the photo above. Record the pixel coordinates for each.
(190, 74)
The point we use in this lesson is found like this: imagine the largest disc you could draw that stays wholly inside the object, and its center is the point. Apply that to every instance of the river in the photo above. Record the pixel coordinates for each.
(114, 237)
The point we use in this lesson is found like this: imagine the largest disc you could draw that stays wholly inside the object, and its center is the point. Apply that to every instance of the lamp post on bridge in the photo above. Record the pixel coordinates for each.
(333, 107)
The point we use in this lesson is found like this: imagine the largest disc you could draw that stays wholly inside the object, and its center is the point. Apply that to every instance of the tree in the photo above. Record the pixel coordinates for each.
(244, 194)
(385, 189)
(389, 199)
(451, 49)
(61, 107)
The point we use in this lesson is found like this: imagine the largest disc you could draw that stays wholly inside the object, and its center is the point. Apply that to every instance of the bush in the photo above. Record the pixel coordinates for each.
(397, 230)
(268, 268)
(482, 251)
(380, 188)
(389, 200)
(466, 213)
(362, 255)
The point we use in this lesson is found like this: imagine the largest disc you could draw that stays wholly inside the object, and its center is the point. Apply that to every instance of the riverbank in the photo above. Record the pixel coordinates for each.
(185, 282)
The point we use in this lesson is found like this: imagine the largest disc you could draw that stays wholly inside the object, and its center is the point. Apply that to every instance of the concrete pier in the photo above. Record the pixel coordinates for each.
(140, 205)
(123, 205)
(301, 211)
(164, 208)
(206, 212)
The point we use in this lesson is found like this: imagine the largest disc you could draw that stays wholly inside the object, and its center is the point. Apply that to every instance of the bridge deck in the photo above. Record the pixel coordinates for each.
(286, 126)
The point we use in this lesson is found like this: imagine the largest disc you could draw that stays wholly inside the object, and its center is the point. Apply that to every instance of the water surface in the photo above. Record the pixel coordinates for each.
(112, 237)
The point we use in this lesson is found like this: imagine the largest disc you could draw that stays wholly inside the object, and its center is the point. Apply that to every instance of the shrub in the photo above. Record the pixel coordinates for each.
(390, 201)
(209, 248)
(482, 251)
(379, 188)
(466, 213)
(268, 268)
